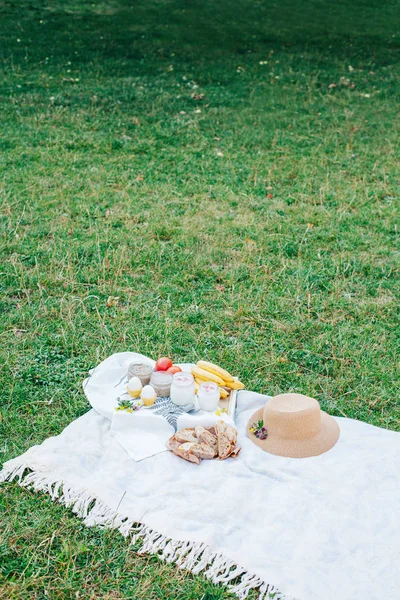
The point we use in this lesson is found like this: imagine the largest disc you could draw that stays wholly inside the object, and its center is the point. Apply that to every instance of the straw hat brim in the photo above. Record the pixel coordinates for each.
(325, 439)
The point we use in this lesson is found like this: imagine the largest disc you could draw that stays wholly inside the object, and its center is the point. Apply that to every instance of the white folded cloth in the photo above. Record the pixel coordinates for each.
(143, 433)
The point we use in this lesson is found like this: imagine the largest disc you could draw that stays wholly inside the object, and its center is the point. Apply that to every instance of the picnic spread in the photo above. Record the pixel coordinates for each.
(257, 493)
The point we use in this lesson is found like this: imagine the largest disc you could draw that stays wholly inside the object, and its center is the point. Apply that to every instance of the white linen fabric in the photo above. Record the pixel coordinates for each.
(143, 433)
(320, 528)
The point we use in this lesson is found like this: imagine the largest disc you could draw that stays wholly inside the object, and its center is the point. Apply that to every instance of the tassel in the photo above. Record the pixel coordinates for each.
(194, 557)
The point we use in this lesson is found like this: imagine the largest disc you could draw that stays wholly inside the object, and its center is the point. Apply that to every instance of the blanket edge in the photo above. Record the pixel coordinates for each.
(198, 558)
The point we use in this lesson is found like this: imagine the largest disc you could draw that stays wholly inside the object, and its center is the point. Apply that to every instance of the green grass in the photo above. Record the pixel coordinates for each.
(193, 160)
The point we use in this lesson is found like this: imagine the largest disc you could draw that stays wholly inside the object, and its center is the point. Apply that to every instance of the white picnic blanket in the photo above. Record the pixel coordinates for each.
(143, 433)
(320, 528)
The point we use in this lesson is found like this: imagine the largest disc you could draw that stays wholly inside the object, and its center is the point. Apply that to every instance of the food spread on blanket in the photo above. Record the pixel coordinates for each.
(203, 386)
(205, 371)
(198, 443)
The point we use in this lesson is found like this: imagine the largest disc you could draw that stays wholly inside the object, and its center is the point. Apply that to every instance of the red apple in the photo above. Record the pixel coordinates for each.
(163, 364)
(174, 369)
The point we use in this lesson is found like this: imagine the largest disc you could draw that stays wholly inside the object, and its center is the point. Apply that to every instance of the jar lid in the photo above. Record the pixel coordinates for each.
(208, 387)
(183, 378)
(140, 368)
(161, 378)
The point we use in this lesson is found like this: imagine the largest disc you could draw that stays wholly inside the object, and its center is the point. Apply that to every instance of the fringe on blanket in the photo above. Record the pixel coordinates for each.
(192, 556)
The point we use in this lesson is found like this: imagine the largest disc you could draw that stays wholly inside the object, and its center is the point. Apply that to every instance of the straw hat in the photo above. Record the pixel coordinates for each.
(295, 426)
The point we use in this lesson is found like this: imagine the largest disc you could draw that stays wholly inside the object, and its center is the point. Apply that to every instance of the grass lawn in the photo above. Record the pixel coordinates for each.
(228, 173)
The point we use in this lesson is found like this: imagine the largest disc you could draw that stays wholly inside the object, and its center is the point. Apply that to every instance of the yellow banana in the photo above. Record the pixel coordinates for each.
(223, 393)
(215, 369)
(200, 380)
(206, 375)
(234, 385)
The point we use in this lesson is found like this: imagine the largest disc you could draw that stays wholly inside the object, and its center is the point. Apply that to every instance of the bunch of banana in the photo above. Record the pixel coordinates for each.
(206, 371)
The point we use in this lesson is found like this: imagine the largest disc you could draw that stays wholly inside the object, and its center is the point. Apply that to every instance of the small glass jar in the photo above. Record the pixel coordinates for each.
(208, 396)
(140, 369)
(161, 382)
(182, 389)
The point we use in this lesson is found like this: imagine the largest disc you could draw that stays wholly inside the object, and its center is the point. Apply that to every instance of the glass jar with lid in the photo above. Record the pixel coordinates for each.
(161, 382)
(140, 369)
(208, 396)
(182, 389)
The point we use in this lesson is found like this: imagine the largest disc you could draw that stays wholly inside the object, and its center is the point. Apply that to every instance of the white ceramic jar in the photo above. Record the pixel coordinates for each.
(182, 389)
(208, 396)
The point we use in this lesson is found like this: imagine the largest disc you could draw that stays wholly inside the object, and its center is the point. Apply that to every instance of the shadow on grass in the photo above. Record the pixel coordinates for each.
(196, 31)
